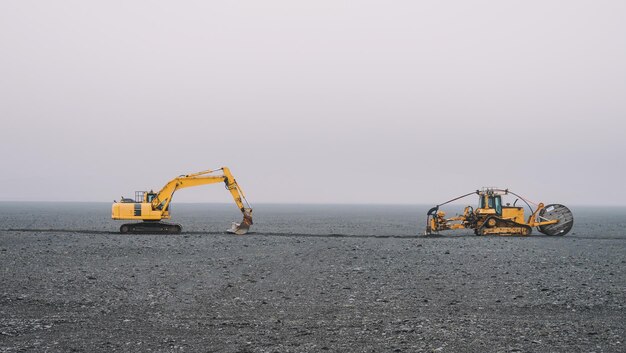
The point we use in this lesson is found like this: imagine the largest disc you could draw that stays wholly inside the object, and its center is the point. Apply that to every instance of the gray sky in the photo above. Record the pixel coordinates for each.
(319, 101)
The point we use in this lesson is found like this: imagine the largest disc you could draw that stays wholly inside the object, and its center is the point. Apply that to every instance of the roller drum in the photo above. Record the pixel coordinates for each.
(560, 213)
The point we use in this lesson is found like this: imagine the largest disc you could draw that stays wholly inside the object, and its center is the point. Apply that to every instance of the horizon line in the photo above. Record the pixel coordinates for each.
(300, 203)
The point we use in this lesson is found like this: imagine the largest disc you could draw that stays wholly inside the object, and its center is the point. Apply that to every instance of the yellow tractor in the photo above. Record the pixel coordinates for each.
(493, 217)
(152, 207)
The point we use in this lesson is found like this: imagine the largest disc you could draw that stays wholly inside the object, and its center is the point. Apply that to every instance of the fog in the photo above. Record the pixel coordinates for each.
(314, 102)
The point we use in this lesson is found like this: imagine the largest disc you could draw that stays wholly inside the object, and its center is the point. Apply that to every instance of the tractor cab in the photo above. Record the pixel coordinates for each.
(492, 202)
(489, 203)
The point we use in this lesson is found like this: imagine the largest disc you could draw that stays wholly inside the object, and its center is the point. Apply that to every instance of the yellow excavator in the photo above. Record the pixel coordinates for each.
(152, 207)
(492, 217)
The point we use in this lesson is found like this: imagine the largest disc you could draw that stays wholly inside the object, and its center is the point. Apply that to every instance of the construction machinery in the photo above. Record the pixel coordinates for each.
(152, 207)
(493, 217)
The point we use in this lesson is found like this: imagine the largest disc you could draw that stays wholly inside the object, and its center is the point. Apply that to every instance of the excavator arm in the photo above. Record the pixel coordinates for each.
(164, 197)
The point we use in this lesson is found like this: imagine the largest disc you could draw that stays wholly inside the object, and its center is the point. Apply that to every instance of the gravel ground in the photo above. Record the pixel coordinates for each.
(99, 291)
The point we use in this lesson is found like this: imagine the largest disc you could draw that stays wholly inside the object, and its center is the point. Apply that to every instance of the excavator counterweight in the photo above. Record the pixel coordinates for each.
(152, 207)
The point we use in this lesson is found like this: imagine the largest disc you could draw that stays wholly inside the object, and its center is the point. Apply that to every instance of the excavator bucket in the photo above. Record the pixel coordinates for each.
(242, 228)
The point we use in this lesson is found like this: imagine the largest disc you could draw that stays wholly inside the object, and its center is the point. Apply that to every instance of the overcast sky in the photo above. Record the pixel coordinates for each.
(314, 101)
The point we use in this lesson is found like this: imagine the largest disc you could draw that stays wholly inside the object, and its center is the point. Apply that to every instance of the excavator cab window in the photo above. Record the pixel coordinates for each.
(151, 196)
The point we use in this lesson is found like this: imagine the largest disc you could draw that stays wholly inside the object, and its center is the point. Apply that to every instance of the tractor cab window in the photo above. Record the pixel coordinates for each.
(493, 202)
(497, 200)
(151, 196)
(485, 201)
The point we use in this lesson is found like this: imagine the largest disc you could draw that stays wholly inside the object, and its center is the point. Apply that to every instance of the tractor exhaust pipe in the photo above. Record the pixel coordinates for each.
(243, 227)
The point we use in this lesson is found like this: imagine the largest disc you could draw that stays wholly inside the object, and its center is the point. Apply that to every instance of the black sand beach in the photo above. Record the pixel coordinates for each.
(197, 292)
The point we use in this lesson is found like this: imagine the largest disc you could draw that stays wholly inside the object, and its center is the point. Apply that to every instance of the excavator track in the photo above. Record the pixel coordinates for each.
(499, 226)
(151, 228)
